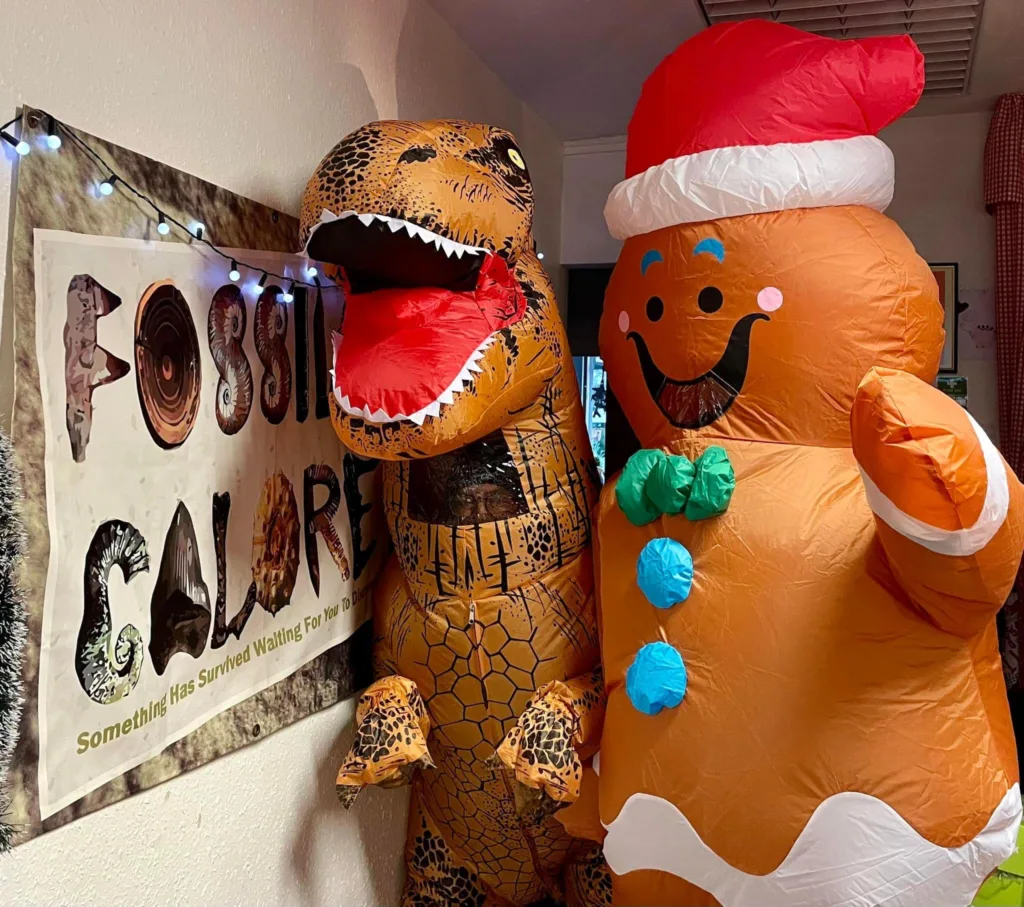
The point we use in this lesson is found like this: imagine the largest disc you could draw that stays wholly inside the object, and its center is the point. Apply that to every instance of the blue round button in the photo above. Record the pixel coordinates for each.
(664, 572)
(656, 679)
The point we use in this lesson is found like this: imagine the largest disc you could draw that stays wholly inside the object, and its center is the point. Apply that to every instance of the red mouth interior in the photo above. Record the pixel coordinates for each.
(402, 348)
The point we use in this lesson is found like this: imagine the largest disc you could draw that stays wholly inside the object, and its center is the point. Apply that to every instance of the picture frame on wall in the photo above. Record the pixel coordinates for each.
(946, 275)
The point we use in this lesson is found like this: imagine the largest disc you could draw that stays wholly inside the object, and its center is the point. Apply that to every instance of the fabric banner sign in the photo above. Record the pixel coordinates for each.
(198, 552)
(200, 547)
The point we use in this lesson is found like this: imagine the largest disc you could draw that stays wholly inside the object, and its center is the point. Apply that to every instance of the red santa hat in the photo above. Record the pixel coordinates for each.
(756, 116)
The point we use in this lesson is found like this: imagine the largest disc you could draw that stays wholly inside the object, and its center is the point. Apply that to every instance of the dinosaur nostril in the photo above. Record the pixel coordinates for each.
(417, 155)
(655, 308)
(709, 299)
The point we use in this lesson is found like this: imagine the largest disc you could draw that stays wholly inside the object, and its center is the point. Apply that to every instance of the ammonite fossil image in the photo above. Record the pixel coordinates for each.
(275, 544)
(226, 329)
(167, 365)
(271, 335)
(108, 668)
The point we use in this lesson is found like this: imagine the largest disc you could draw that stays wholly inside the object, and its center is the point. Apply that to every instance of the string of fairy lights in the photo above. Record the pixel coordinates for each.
(108, 180)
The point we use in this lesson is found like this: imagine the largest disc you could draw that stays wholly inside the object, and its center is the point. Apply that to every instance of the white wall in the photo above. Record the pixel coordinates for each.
(248, 95)
(938, 202)
(591, 169)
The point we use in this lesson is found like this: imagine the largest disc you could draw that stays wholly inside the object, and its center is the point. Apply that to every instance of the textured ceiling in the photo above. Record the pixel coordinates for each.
(580, 63)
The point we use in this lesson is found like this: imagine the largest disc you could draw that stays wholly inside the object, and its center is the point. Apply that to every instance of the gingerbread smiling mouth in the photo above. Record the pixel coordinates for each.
(700, 401)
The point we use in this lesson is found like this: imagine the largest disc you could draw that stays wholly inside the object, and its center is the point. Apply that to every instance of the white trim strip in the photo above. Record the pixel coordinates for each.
(749, 179)
(952, 542)
(854, 851)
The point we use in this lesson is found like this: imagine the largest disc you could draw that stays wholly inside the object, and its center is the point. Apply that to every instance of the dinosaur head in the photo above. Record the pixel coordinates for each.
(429, 227)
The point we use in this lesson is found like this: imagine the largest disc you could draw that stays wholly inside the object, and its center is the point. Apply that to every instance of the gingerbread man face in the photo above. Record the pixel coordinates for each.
(761, 327)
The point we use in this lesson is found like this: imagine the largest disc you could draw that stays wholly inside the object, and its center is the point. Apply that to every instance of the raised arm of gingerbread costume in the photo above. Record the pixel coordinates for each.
(948, 509)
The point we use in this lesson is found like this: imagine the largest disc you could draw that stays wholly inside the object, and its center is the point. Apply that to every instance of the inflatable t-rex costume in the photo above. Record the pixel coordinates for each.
(452, 367)
(805, 699)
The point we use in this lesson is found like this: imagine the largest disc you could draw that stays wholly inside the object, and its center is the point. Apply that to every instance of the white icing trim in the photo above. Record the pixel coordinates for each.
(952, 542)
(855, 851)
(748, 179)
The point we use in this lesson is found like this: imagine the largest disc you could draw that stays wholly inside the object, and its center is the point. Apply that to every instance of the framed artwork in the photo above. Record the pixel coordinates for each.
(946, 276)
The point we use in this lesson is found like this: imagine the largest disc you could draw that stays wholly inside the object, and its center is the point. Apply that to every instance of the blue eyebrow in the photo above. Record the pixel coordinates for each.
(712, 246)
(650, 258)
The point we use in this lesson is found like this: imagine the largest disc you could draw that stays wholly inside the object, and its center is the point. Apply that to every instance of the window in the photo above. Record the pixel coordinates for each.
(593, 383)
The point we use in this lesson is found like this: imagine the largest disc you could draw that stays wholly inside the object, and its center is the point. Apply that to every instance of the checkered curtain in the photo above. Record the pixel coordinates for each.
(1004, 198)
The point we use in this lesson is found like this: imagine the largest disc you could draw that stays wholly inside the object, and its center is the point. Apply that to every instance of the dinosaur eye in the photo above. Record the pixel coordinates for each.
(516, 158)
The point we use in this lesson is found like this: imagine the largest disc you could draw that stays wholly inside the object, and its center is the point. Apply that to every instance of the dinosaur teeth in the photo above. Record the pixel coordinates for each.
(394, 224)
(461, 381)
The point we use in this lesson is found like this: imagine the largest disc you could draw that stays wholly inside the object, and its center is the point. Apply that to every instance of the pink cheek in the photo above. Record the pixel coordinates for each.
(624, 321)
(769, 299)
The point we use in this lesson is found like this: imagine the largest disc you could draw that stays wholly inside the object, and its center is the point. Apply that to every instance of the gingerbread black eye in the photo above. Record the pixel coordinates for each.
(655, 308)
(709, 299)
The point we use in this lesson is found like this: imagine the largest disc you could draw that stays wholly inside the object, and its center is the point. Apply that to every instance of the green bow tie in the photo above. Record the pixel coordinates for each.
(654, 482)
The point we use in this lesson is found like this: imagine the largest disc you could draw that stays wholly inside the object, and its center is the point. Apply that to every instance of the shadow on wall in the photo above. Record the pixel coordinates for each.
(359, 108)
(432, 78)
(381, 816)
(438, 77)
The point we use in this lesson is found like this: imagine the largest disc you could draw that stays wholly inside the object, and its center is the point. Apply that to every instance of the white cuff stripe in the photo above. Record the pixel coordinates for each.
(952, 542)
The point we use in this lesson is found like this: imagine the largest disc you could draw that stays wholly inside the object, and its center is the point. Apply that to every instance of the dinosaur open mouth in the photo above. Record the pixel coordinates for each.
(420, 312)
(701, 400)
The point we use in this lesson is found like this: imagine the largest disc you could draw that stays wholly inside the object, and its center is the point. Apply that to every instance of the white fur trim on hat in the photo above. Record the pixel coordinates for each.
(749, 179)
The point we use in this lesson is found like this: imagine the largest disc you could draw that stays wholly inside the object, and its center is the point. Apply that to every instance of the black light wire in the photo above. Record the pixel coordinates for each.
(115, 178)
(3, 129)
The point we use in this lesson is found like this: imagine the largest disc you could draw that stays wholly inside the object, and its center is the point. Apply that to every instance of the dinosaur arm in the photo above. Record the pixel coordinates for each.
(581, 701)
(561, 722)
(949, 512)
(392, 725)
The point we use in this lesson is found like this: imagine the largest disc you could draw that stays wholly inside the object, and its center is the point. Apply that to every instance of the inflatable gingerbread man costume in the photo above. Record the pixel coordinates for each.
(805, 700)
